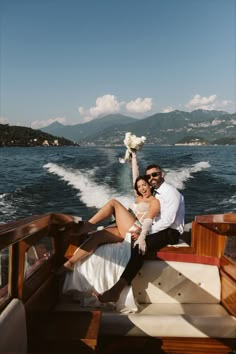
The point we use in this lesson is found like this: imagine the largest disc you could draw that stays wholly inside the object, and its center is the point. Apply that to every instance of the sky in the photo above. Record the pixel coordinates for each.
(76, 60)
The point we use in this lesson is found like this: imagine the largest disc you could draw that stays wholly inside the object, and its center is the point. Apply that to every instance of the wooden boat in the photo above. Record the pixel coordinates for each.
(186, 294)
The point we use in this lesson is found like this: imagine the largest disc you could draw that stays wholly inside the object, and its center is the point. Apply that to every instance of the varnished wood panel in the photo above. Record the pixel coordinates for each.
(206, 242)
(229, 267)
(197, 345)
(165, 345)
(228, 293)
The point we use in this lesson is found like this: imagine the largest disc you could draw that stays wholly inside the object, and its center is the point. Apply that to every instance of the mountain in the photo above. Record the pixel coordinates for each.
(82, 131)
(160, 128)
(23, 136)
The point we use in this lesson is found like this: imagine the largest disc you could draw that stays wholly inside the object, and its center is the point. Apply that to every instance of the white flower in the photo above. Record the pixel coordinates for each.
(132, 142)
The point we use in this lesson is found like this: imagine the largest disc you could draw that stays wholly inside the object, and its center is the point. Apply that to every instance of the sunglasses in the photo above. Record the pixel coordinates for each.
(153, 174)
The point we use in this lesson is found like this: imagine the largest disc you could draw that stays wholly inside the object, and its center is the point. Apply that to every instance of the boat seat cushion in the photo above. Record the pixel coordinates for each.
(13, 332)
(177, 282)
(172, 320)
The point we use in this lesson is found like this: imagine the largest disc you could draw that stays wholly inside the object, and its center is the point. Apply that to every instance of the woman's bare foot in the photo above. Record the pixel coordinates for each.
(69, 265)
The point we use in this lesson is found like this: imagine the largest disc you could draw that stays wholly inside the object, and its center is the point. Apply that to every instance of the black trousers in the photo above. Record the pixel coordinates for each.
(154, 243)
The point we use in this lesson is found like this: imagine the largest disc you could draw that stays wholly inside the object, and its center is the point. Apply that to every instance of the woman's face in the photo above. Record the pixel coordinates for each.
(143, 188)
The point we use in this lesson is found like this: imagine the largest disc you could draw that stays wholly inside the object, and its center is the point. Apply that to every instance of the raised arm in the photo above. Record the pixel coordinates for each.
(135, 169)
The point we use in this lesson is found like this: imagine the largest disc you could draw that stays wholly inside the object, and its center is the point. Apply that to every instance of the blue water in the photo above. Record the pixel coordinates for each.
(79, 180)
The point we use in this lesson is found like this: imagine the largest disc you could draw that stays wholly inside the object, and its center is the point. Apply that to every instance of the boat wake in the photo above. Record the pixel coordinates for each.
(90, 193)
(96, 195)
(178, 177)
(7, 207)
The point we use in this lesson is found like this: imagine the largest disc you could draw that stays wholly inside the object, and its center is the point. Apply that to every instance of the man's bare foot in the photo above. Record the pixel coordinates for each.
(113, 294)
(108, 296)
(69, 265)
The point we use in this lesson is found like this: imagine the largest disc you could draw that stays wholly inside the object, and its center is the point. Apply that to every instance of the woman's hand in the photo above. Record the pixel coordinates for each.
(141, 243)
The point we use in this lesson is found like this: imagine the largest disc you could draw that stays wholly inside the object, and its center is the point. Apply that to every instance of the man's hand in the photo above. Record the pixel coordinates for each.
(134, 235)
(135, 231)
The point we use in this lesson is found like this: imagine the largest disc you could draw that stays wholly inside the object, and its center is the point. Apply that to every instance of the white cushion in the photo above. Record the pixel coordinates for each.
(186, 325)
(182, 309)
(13, 332)
(177, 282)
(172, 320)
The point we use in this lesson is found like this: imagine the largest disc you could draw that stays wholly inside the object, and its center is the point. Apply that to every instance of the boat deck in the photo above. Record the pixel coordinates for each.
(186, 295)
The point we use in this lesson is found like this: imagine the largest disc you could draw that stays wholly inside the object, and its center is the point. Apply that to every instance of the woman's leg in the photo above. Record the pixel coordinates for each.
(124, 220)
(97, 238)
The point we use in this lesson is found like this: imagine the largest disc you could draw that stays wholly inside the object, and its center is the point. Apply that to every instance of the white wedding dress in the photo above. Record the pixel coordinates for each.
(102, 269)
(99, 272)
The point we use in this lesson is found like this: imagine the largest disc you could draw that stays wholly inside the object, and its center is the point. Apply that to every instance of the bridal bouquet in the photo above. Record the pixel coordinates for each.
(132, 142)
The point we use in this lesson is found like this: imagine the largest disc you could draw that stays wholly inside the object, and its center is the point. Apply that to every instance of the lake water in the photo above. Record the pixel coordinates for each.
(79, 180)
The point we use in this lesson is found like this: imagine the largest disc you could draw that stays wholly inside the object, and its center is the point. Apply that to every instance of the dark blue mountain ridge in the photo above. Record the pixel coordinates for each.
(160, 128)
(83, 130)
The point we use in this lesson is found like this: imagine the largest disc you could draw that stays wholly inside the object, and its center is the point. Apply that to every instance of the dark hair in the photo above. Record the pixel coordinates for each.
(149, 167)
(139, 178)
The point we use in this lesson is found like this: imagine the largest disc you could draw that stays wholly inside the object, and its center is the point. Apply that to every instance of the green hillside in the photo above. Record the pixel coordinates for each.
(23, 136)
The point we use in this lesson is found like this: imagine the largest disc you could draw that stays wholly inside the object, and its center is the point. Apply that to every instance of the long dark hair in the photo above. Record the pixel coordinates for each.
(139, 178)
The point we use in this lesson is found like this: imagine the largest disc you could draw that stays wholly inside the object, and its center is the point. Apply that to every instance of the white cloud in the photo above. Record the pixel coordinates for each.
(109, 103)
(197, 101)
(226, 103)
(209, 103)
(168, 109)
(37, 124)
(139, 105)
(3, 120)
(81, 110)
(104, 105)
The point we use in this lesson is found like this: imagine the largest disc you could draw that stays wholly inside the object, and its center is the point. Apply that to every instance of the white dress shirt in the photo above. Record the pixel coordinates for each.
(172, 209)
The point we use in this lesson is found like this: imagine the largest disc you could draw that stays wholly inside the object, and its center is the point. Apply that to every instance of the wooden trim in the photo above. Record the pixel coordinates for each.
(13, 232)
(17, 231)
(223, 224)
(216, 218)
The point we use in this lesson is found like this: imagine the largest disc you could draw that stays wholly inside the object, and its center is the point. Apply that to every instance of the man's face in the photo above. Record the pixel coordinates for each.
(155, 177)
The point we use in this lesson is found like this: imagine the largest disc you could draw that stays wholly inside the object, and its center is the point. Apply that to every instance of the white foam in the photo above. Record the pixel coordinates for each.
(226, 202)
(7, 207)
(178, 177)
(89, 192)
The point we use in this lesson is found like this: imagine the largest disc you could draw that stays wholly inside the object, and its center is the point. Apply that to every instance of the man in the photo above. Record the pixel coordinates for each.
(165, 230)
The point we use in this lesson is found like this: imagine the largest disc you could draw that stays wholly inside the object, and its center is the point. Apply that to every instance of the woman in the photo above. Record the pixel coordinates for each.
(144, 210)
